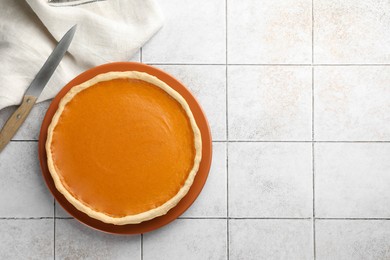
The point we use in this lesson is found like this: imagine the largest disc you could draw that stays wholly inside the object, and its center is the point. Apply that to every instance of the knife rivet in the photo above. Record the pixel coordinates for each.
(28, 100)
(18, 116)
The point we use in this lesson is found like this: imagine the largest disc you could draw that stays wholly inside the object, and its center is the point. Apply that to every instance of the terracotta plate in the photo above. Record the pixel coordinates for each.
(200, 178)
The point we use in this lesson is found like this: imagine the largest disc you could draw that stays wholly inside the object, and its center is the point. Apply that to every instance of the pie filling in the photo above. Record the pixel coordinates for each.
(123, 147)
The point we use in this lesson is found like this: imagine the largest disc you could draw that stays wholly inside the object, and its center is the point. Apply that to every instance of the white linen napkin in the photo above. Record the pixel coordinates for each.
(111, 30)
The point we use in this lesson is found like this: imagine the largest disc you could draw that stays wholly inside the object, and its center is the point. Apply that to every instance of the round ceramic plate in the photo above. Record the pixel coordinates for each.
(200, 178)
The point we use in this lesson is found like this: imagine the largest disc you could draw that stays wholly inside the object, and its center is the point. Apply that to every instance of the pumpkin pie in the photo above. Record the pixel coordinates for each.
(123, 147)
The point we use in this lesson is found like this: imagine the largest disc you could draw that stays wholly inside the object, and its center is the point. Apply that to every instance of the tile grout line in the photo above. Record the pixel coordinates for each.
(296, 141)
(227, 134)
(227, 202)
(142, 246)
(348, 219)
(262, 141)
(25, 218)
(230, 218)
(54, 224)
(275, 64)
(208, 218)
(314, 208)
(282, 218)
(350, 64)
(312, 129)
(269, 218)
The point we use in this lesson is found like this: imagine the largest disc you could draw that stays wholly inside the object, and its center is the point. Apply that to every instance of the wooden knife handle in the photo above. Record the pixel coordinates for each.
(16, 120)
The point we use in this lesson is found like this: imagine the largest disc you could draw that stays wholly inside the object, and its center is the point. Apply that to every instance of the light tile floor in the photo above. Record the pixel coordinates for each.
(297, 93)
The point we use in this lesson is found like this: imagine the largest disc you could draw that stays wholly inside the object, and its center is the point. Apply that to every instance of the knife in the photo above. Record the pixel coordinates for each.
(34, 90)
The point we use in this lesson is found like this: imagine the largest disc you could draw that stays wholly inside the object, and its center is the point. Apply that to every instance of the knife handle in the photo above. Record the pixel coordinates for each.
(16, 120)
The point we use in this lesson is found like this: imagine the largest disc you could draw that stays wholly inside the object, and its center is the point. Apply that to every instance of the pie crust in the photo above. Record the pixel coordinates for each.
(89, 209)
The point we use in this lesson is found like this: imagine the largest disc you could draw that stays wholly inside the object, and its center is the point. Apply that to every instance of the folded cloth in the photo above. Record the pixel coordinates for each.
(111, 30)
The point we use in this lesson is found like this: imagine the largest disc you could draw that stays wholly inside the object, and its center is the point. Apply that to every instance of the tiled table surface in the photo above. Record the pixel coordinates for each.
(298, 97)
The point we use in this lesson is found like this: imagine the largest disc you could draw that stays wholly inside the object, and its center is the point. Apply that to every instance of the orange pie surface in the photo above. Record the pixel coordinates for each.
(123, 147)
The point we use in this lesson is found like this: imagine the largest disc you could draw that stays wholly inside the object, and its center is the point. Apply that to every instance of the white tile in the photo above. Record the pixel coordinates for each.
(269, 103)
(271, 239)
(136, 57)
(212, 200)
(76, 241)
(187, 239)
(26, 239)
(23, 192)
(352, 239)
(60, 212)
(208, 84)
(270, 180)
(352, 103)
(352, 180)
(32, 126)
(265, 32)
(193, 32)
(351, 31)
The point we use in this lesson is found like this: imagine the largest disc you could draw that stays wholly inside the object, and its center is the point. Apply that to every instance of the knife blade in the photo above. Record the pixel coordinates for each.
(34, 90)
